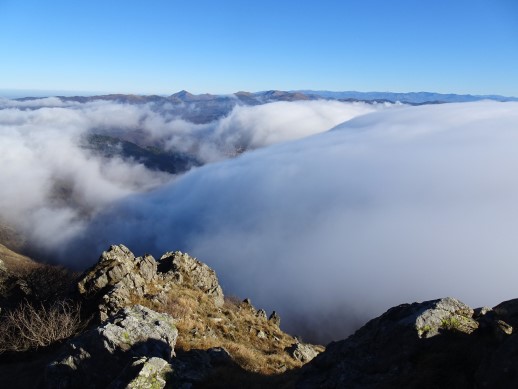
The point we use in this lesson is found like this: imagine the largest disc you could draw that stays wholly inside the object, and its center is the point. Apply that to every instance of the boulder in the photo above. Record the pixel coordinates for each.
(186, 270)
(447, 314)
(98, 356)
(302, 352)
(144, 373)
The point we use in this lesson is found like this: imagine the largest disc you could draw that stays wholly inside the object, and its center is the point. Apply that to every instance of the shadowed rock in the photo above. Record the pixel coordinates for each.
(98, 356)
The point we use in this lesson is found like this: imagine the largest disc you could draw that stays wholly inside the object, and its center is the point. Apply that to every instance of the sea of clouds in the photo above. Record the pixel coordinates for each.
(396, 205)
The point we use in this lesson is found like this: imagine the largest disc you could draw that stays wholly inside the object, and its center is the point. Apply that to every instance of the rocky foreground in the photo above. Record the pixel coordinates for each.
(137, 322)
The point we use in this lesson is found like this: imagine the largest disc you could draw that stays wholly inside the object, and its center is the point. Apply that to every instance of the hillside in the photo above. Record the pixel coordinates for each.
(137, 322)
(153, 310)
(153, 158)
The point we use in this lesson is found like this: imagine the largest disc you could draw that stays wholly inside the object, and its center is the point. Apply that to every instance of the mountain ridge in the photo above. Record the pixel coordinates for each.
(262, 97)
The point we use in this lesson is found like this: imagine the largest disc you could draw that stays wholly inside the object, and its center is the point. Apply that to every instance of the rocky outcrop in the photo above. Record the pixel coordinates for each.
(275, 319)
(439, 343)
(435, 316)
(183, 269)
(97, 357)
(116, 276)
(119, 274)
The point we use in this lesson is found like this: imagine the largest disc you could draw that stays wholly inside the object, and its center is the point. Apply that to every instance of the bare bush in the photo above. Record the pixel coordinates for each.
(31, 327)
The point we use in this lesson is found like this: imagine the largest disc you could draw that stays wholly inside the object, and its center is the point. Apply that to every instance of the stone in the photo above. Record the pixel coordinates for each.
(261, 334)
(115, 277)
(447, 314)
(144, 373)
(261, 314)
(98, 356)
(118, 264)
(186, 270)
(302, 352)
(275, 319)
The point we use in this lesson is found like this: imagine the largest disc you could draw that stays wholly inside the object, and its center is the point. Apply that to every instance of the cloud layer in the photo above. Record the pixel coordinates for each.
(406, 204)
(50, 187)
(397, 205)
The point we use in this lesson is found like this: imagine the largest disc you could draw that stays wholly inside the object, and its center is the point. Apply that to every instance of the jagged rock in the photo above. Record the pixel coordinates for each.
(117, 273)
(184, 269)
(261, 314)
(194, 366)
(145, 373)
(118, 264)
(275, 319)
(96, 357)
(302, 352)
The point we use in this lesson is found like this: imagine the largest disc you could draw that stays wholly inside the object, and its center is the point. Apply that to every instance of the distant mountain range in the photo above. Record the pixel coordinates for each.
(407, 98)
(206, 108)
(228, 101)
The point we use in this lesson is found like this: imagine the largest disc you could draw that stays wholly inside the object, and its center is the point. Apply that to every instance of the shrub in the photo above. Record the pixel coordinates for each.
(30, 327)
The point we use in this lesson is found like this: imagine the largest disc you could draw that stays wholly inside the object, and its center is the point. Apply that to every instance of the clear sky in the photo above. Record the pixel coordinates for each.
(222, 46)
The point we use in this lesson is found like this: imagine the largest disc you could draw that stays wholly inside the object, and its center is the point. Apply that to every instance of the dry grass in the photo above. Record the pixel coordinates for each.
(14, 262)
(254, 343)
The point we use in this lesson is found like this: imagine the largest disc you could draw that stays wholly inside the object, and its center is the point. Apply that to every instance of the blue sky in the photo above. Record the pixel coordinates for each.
(458, 46)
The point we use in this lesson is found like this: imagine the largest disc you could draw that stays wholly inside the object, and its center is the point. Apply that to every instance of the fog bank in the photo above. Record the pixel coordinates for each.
(406, 204)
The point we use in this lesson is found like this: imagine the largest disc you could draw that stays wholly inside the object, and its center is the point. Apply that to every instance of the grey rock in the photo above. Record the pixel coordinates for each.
(261, 334)
(261, 314)
(302, 352)
(117, 274)
(98, 356)
(275, 319)
(443, 314)
(186, 270)
(144, 373)
(482, 311)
